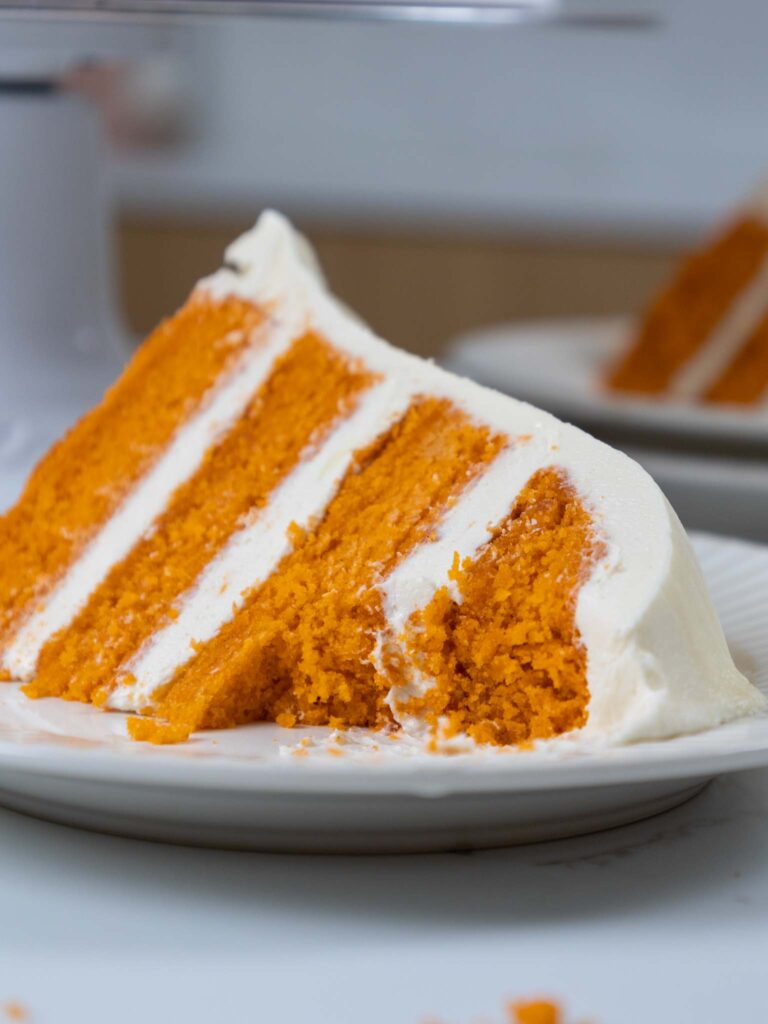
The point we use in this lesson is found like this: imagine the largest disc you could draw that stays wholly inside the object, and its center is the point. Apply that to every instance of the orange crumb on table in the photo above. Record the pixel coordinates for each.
(15, 1011)
(538, 1011)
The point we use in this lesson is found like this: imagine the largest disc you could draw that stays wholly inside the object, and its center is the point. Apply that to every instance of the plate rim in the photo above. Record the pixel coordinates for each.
(566, 766)
(686, 419)
(404, 778)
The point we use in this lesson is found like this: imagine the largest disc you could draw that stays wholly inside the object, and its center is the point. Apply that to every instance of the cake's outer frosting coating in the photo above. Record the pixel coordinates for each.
(657, 660)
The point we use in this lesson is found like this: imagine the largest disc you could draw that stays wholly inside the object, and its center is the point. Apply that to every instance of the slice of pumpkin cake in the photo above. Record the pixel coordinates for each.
(275, 516)
(704, 337)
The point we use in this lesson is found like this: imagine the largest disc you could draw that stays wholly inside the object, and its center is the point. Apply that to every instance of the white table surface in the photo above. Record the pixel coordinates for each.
(662, 921)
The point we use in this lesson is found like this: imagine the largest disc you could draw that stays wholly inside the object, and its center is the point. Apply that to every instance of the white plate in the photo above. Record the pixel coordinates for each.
(559, 365)
(73, 764)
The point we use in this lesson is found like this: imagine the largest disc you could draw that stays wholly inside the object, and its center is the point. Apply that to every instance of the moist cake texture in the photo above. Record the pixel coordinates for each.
(705, 335)
(275, 516)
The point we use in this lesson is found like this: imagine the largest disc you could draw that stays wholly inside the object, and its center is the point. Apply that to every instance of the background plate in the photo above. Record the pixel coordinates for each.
(247, 788)
(559, 365)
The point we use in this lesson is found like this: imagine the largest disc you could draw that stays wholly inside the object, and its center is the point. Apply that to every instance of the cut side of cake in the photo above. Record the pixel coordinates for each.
(276, 516)
(705, 335)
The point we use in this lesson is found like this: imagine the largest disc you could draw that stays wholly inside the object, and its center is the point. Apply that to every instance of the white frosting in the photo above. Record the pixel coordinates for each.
(148, 499)
(657, 660)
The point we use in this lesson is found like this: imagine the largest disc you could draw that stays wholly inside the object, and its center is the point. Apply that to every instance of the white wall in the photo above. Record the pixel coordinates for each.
(651, 131)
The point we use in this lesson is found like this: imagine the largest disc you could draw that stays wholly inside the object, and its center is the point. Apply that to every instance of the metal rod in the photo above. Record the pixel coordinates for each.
(477, 12)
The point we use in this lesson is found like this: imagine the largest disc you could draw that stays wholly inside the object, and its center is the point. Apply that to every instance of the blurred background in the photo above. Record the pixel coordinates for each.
(450, 177)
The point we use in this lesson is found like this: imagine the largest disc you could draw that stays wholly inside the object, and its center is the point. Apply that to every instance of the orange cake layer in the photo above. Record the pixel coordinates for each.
(301, 649)
(85, 477)
(310, 388)
(745, 379)
(506, 658)
(685, 314)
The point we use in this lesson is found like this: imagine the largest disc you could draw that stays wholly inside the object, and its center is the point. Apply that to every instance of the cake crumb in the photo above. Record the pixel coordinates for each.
(15, 1011)
(537, 1011)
